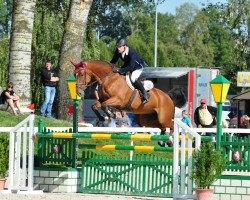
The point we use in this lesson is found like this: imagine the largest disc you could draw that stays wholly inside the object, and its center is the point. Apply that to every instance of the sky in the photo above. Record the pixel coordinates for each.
(169, 6)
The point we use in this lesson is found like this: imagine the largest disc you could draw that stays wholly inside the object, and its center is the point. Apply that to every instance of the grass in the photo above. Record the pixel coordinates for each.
(7, 119)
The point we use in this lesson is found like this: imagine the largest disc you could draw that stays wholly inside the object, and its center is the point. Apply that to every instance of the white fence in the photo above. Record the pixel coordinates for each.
(21, 157)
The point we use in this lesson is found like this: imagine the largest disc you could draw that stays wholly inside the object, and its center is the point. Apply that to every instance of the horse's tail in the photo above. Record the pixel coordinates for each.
(178, 97)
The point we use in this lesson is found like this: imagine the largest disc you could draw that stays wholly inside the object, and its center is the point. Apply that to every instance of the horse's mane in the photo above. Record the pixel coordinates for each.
(100, 61)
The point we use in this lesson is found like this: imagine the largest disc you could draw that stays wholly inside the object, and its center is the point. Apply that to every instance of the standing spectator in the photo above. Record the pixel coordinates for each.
(49, 80)
(204, 115)
(11, 98)
(185, 119)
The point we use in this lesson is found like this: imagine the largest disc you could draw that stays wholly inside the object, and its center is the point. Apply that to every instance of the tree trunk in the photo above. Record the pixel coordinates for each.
(71, 50)
(20, 48)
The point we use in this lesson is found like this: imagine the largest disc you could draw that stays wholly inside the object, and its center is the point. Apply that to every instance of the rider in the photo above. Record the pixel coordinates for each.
(132, 63)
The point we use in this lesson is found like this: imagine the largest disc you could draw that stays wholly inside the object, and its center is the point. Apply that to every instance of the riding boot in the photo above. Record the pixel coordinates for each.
(145, 95)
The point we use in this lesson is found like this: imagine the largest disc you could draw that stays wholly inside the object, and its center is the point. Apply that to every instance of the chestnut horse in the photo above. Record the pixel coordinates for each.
(114, 92)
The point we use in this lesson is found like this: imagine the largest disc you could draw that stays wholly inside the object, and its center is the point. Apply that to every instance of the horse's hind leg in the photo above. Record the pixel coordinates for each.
(165, 118)
(95, 107)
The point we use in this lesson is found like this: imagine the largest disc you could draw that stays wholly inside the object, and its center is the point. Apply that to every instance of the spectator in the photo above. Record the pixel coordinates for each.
(133, 121)
(122, 119)
(233, 119)
(244, 121)
(49, 80)
(185, 119)
(11, 98)
(109, 122)
(204, 115)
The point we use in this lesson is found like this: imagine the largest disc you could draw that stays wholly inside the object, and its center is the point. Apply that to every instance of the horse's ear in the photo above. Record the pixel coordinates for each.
(78, 66)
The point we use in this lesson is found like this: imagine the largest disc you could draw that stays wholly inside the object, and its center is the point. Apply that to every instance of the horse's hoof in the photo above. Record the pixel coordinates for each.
(161, 143)
(169, 143)
(102, 119)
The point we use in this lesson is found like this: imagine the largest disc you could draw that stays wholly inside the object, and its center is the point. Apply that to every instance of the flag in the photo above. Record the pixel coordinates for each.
(31, 106)
(70, 110)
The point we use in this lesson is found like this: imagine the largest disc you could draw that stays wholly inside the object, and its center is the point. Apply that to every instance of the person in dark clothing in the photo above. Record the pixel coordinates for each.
(11, 98)
(204, 115)
(49, 81)
(133, 63)
(233, 122)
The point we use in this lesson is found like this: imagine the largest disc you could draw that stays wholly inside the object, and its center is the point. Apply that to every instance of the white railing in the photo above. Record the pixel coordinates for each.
(185, 144)
(21, 157)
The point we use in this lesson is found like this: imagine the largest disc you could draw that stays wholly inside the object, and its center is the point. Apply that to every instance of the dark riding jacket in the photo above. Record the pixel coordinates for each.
(132, 61)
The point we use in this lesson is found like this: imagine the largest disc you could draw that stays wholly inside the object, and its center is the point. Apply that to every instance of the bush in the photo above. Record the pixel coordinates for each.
(4, 156)
(209, 164)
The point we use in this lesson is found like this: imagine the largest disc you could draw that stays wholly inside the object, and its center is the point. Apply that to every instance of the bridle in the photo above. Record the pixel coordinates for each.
(84, 85)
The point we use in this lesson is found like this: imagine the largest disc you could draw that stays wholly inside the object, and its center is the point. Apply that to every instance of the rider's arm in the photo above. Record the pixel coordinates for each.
(115, 57)
(131, 63)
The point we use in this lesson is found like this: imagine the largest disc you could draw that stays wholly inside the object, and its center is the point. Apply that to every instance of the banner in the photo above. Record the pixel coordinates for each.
(243, 79)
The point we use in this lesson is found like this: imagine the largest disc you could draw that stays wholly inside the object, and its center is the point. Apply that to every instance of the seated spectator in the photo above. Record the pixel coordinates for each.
(185, 119)
(122, 119)
(233, 119)
(109, 122)
(133, 122)
(11, 98)
(244, 121)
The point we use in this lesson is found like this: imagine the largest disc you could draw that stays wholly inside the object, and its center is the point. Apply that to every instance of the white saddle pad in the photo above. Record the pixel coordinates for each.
(147, 84)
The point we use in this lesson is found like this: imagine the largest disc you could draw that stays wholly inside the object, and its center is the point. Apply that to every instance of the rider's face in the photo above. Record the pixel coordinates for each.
(121, 49)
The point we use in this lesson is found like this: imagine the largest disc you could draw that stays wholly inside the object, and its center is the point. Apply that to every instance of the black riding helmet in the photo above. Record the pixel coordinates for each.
(121, 42)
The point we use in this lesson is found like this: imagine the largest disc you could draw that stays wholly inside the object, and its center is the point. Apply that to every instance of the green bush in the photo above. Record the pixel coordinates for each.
(4, 156)
(209, 164)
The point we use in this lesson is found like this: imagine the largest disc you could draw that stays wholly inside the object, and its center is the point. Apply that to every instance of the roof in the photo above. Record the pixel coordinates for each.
(243, 96)
(164, 72)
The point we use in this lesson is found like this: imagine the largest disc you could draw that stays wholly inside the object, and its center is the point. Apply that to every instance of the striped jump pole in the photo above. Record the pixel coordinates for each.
(105, 136)
(128, 148)
(109, 136)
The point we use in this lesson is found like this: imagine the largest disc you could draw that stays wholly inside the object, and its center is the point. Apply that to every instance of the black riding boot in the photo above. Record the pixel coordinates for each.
(145, 95)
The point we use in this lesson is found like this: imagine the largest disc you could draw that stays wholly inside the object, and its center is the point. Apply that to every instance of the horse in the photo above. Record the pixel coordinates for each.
(114, 92)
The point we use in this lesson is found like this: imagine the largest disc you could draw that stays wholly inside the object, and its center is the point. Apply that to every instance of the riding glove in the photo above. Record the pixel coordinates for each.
(116, 70)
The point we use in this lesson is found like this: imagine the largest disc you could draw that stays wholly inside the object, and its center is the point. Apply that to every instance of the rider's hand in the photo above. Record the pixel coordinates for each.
(116, 70)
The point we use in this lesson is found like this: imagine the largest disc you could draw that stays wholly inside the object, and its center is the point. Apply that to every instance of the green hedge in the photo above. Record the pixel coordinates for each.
(4, 155)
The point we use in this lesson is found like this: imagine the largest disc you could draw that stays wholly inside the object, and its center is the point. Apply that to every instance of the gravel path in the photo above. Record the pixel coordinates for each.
(75, 196)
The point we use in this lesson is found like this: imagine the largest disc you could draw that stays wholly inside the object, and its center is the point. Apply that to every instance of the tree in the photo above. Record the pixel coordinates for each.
(71, 49)
(20, 47)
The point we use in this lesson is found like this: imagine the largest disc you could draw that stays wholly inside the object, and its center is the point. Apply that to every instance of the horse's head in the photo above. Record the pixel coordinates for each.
(82, 77)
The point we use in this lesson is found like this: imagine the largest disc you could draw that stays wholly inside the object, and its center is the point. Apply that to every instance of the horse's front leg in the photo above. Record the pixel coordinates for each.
(111, 102)
(108, 112)
(95, 107)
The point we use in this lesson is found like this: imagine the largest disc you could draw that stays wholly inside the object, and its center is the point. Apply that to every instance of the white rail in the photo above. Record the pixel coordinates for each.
(21, 147)
(180, 127)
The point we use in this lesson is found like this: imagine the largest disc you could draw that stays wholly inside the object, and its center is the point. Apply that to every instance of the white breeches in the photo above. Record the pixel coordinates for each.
(135, 74)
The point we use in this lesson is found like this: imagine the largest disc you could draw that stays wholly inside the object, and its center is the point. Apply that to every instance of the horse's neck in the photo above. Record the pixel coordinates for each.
(101, 73)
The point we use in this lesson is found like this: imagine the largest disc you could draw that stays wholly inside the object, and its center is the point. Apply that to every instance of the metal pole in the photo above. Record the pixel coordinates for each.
(156, 25)
(75, 116)
(219, 126)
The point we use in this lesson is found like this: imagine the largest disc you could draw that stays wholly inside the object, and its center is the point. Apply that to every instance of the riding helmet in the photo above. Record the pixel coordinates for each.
(121, 42)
